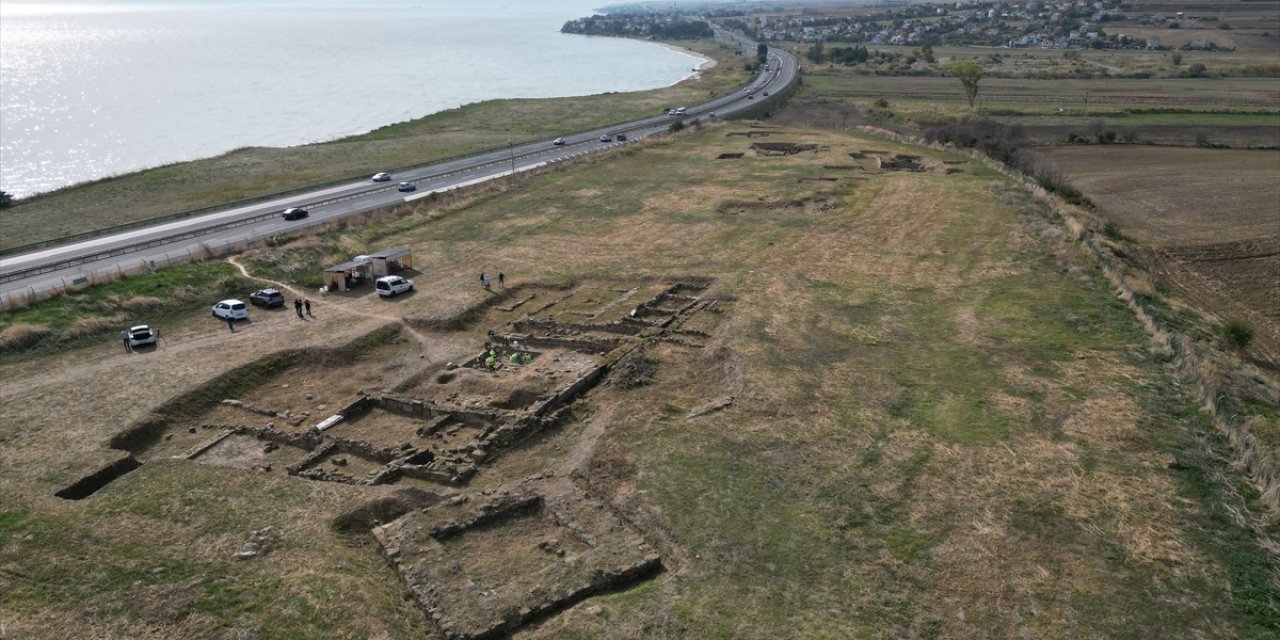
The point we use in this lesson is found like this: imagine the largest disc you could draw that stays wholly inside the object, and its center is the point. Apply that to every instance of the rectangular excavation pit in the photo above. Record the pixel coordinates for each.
(589, 302)
(335, 465)
(483, 567)
(517, 303)
(379, 427)
(245, 451)
(708, 317)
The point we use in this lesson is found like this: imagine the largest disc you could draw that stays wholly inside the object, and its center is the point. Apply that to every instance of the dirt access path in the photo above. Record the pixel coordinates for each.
(341, 309)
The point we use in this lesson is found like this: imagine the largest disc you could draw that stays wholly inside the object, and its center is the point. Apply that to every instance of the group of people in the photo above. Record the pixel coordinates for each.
(299, 305)
(487, 283)
(517, 357)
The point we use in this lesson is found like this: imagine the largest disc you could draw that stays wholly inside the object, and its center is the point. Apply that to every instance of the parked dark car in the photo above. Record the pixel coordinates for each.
(622, 137)
(267, 298)
(295, 213)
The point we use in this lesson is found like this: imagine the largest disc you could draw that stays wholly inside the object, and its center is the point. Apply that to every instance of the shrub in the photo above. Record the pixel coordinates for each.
(1237, 334)
(676, 126)
(22, 336)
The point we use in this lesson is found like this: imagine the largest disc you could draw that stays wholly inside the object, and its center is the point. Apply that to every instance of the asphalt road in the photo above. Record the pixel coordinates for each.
(37, 274)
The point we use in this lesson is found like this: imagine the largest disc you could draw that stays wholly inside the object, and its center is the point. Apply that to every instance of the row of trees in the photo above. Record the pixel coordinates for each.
(819, 54)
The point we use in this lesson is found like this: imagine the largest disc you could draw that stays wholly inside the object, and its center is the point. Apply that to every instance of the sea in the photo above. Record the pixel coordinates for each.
(94, 90)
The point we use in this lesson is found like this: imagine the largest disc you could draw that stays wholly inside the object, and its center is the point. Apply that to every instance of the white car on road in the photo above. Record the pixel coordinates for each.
(233, 309)
(382, 176)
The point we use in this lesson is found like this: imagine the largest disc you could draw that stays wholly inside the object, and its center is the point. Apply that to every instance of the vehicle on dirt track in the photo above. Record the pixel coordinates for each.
(231, 309)
(388, 286)
(267, 298)
(142, 334)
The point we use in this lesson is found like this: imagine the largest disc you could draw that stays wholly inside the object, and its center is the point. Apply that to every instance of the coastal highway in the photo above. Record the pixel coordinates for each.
(36, 274)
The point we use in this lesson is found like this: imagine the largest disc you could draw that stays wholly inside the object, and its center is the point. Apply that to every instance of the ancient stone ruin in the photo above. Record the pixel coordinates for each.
(478, 564)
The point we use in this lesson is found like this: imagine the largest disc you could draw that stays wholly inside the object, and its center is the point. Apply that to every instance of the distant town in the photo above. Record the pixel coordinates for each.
(1040, 24)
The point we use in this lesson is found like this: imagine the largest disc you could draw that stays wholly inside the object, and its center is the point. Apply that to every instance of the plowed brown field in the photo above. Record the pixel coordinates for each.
(1207, 219)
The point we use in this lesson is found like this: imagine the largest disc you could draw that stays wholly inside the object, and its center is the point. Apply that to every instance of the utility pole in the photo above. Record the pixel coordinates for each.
(512, 150)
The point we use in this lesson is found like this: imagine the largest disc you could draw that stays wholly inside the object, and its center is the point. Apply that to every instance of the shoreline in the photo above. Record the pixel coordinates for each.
(24, 181)
(705, 64)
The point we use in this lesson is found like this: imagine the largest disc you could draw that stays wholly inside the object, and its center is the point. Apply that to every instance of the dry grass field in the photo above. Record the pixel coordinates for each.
(917, 411)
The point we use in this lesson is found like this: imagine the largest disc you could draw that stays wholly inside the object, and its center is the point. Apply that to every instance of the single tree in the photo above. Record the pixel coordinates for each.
(762, 53)
(815, 54)
(6, 200)
(969, 73)
(926, 52)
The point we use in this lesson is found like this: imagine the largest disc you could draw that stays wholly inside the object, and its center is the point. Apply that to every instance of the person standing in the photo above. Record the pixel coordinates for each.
(485, 282)
(307, 303)
(502, 280)
(297, 307)
(124, 335)
(483, 277)
(231, 324)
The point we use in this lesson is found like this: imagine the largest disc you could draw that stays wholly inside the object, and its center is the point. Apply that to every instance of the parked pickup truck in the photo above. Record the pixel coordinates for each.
(388, 286)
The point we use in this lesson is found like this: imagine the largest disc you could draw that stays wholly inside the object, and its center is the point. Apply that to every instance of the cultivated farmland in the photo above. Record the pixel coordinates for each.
(1207, 222)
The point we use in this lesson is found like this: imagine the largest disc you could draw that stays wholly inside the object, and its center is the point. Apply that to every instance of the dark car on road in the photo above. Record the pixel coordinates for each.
(407, 186)
(622, 137)
(295, 213)
(267, 298)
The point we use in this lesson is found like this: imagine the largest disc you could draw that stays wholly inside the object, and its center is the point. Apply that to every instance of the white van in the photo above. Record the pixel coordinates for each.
(388, 286)
(680, 111)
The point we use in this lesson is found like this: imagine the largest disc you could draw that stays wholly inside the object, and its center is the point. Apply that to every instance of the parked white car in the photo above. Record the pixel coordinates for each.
(233, 309)
(388, 286)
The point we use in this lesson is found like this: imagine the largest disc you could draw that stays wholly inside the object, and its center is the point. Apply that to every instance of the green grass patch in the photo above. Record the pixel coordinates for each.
(101, 311)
